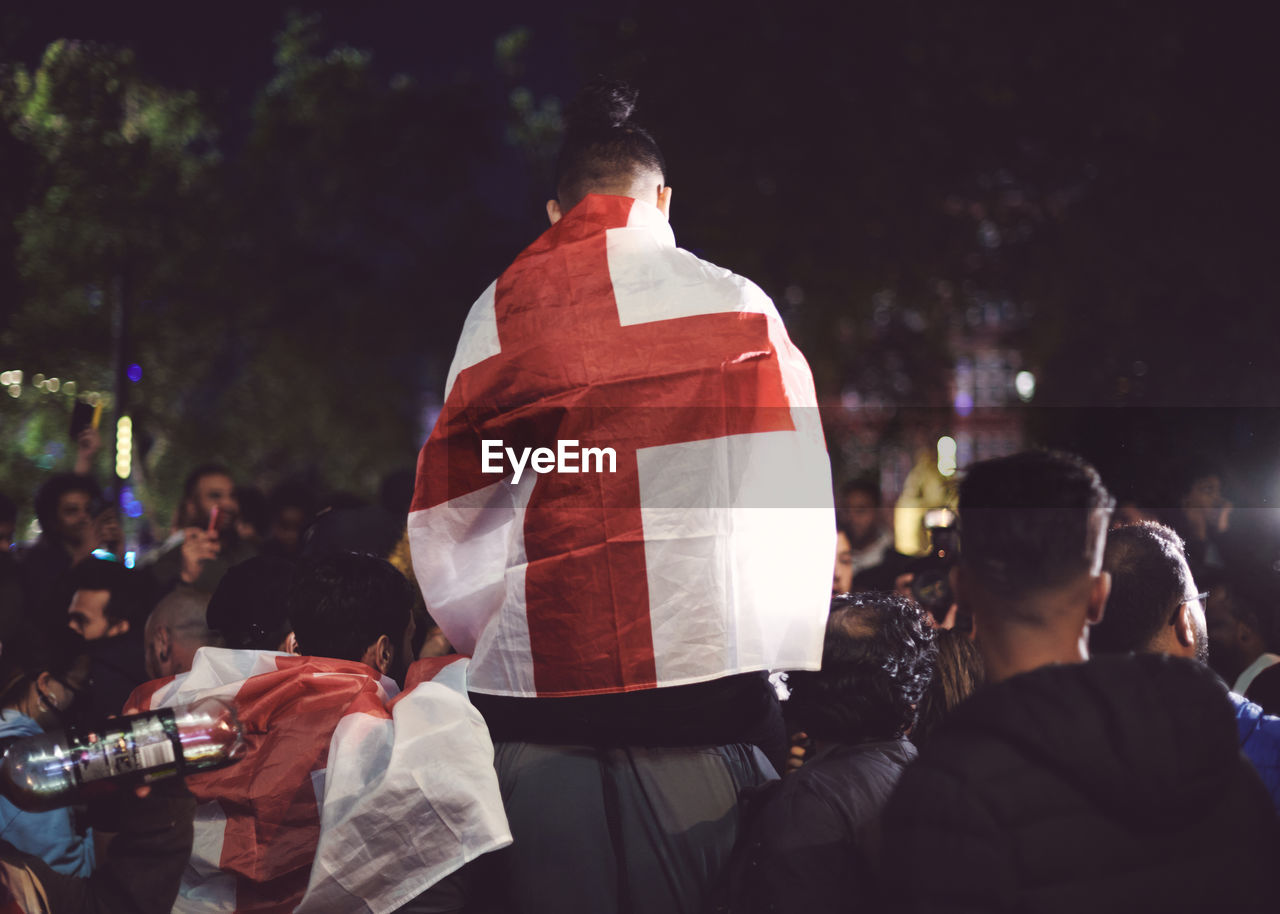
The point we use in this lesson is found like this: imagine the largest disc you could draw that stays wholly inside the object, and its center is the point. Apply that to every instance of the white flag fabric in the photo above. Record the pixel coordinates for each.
(690, 532)
(349, 796)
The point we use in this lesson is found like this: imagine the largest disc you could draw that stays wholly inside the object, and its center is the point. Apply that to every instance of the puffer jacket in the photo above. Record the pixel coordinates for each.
(1115, 785)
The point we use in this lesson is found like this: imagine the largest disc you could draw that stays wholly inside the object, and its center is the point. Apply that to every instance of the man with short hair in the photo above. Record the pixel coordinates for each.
(107, 608)
(108, 600)
(207, 542)
(1154, 608)
(622, 616)
(175, 630)
(1067, 785)
(354, 607)
(406, 798)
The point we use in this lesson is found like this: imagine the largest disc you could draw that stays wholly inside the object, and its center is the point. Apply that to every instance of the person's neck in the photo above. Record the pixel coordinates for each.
(1010, 649)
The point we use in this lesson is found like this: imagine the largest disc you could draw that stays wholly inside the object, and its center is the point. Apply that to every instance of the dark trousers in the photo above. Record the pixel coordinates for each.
(625, 830)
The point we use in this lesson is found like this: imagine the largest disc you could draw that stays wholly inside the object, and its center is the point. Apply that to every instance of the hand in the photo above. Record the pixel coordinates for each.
(88, 443)
(1224, 517)
(198, 547)
(799, 750)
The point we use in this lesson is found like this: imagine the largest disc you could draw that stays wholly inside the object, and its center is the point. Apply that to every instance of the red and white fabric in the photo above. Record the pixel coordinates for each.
(708, 551)
(348, 798)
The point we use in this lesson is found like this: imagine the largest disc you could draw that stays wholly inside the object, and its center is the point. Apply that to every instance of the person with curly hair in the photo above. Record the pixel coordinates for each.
(812, 842)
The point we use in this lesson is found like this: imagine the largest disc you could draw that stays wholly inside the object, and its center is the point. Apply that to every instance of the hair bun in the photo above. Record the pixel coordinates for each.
(602, 103)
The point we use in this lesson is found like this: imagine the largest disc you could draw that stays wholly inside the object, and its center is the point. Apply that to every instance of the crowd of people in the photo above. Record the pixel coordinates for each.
(466, 711)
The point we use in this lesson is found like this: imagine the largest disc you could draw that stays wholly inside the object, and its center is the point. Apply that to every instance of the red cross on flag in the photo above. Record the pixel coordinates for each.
(628, 485)
(348, 797)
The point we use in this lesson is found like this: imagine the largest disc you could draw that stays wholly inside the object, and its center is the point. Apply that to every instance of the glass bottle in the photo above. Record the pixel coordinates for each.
(70, 766)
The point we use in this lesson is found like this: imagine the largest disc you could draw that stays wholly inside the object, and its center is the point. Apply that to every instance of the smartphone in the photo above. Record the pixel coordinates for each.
(82, 416)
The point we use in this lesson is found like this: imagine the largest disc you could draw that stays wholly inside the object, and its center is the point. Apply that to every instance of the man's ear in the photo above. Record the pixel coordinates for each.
(553, 211)
(664, 201)
(290, 644)
(378, 655)
(1099, 590)
(164, 643)
(1184, 627)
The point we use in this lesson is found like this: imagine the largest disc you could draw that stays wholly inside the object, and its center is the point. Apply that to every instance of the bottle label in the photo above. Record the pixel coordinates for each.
(144, 745)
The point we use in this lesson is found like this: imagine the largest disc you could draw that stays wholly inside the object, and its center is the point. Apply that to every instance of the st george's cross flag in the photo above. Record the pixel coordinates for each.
(627, 486)
(348, 797)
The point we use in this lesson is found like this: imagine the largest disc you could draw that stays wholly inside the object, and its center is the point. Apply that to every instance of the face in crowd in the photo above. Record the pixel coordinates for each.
(212, 490)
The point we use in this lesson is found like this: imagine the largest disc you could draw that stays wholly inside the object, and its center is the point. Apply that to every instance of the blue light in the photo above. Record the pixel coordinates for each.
(131, 505)
(135, 372)
(129, 558)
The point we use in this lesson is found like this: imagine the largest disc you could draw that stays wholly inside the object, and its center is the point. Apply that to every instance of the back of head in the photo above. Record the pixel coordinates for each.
(249, 608)
(32, 651)
(1032, 522)
(342, 603)
(184, 612)
(604, 151)
(1149, 579)
(877, 660)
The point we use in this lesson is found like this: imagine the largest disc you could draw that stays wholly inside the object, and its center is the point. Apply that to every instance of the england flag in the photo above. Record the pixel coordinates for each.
(628, 485)
(349, 797)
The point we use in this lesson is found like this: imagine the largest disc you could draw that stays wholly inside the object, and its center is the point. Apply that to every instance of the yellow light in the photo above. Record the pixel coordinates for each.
(124, 447)
(6, 378)
(38, 380)
(69, 388)
(53, 384)
(15, 390)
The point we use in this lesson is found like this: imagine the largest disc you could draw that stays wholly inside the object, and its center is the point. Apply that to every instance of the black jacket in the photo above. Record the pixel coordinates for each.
(811, 841)
(1114, 785)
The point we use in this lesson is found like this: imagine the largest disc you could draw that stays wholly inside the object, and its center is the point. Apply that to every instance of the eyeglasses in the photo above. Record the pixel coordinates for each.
(1200, 596)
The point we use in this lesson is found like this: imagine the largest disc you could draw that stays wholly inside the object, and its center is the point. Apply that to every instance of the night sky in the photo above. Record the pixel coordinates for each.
(831, 151)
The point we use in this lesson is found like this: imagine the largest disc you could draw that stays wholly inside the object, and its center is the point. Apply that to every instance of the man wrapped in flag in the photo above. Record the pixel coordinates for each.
(351, 796)
(624, 515)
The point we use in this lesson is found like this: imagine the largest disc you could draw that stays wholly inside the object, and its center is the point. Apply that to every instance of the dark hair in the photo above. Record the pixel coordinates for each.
(877, 660)
(8, 510)
(1149, 578)
(343, 602)
(957, 674)
(249, 606)
(51, 492)
(866, 487)
(32, 651)
(130, 590)
(1032, 521)
(602, 145)
(253, 508)
(199, 473)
